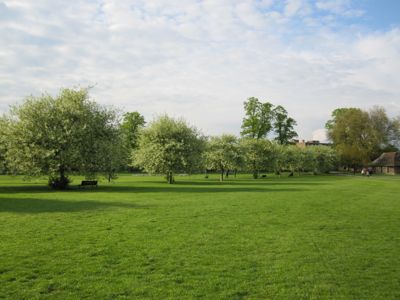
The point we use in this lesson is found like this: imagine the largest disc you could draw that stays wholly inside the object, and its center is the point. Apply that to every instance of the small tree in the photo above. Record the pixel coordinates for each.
(168, 146)
(257, 154)
(222, 153)
(3, 144)
(292, 158)
(325, 158)
(53, 136)
(116, 159)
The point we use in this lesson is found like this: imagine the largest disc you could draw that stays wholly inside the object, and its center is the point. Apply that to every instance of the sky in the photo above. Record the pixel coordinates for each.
(200, 60)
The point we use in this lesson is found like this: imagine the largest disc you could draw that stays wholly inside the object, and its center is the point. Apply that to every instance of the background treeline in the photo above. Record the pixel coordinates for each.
(72, 134)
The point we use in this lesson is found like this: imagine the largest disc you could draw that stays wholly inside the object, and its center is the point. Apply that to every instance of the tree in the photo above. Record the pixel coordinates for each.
(168, 146)
(131, 124)
(258, 120)
(360, 136)
(385, 131)
(257, 154)
(325, 158)
(292, 158)
(279, 157)
(317, 159)
(53, 136)
(3, 144)
(351, 133)
(117, 156)
(283, 125)
(222, 153)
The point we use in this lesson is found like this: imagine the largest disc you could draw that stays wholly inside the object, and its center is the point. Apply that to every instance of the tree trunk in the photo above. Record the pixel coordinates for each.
(60, 183)
(255, 174)
(170, 177)
(222, 175)
(227, 174)
(235, 172)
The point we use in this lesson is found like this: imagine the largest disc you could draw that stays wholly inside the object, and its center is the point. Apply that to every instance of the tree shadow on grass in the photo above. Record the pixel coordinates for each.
(181, 187)
(178, 188)
(32, 205)
(250, 182)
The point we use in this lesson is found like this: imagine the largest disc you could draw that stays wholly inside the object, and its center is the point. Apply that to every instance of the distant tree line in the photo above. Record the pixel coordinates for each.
(72, 134)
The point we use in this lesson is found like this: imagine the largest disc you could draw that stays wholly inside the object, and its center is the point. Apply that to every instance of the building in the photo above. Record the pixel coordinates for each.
(387, 163)
(304, 144)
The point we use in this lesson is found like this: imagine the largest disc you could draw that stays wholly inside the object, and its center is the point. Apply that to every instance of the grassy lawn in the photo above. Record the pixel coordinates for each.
(329, 237)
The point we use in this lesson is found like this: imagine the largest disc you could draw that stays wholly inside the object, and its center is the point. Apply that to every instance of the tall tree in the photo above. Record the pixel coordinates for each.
(168, 146)
(222, 153)
(258, 119)
(131, 124)
(53, 136)
(361, 136)
(385, 131)
(283, 125)
(352, 135)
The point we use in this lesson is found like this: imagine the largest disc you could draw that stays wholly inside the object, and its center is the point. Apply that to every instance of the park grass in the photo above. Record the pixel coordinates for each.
(310, 237)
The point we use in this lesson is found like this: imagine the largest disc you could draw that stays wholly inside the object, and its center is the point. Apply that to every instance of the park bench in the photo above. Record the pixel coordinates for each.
(88, 183)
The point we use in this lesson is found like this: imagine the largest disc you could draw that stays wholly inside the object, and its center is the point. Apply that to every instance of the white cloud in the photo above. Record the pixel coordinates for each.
(196, 59)
(319, 135)
(340, 7)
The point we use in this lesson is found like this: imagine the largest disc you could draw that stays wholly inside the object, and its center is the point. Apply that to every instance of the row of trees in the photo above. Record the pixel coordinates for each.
(169, 146)
(71, 133)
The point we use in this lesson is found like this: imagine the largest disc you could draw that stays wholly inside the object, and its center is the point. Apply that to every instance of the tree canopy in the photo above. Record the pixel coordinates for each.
(55, 135)
(168, 146)
(258, 119)
(258, 155)
(3, 145)
(360, 136)
(283, 126)
(222, 153)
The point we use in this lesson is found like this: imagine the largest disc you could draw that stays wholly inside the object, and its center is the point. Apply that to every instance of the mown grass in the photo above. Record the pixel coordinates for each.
(311, 237)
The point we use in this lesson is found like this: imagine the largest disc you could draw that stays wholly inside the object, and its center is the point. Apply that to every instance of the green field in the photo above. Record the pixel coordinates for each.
(325, 237)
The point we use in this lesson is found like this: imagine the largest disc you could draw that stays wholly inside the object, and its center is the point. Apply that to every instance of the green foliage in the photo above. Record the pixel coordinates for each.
(258, 120)
(222, 153)
(283, 126)
(359, 136)
(258, 154)
(3, 144)
(318, 159)
(168, 146)
(54, 136)
(261, 118)
(292, 158)
(131, 124)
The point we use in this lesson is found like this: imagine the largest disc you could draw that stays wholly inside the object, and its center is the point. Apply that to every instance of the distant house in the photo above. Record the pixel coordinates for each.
(387, 163)
(304, 144)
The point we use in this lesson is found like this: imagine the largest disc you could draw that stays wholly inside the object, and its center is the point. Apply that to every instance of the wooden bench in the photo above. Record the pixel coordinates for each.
(88, 183)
